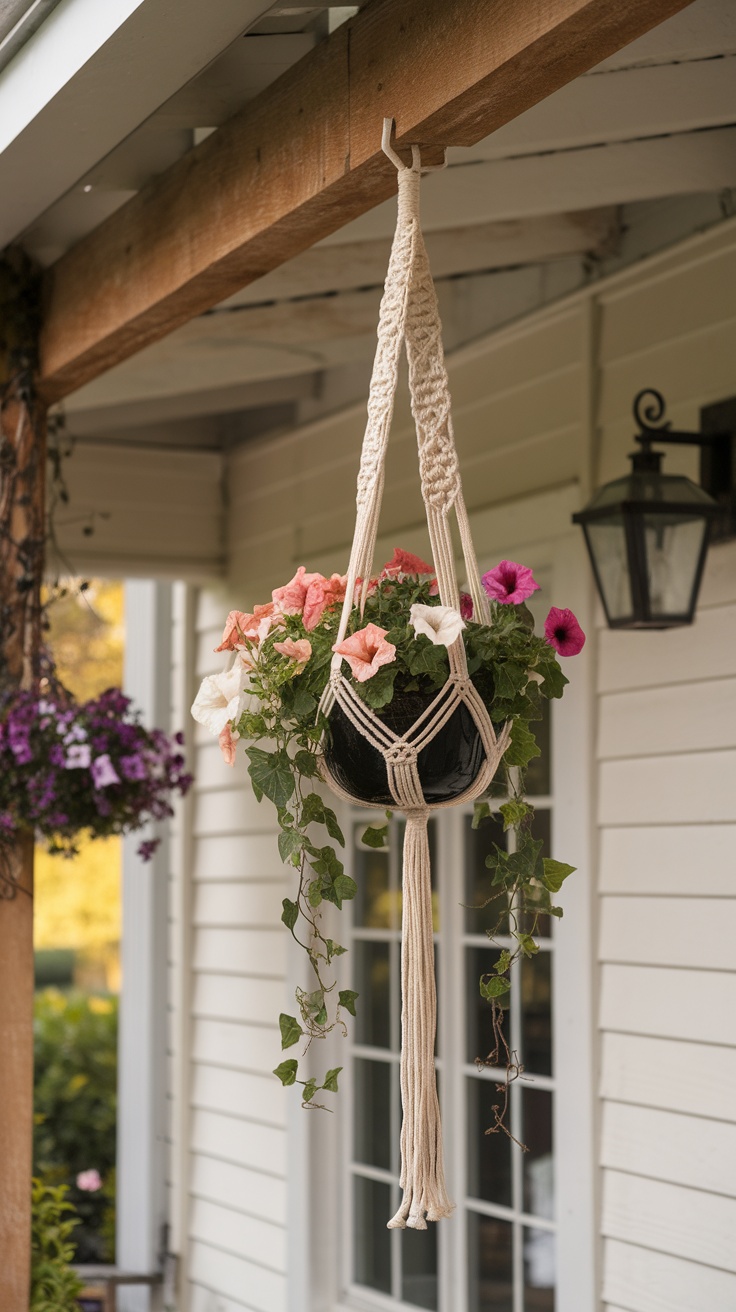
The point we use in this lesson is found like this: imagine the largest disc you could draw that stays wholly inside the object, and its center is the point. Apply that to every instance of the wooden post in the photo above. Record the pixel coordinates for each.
(22, 534)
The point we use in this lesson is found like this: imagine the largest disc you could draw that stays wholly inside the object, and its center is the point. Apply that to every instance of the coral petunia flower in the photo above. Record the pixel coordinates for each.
(290, 599)
(227, 740)
(299, 650)
(403, 563)
(322, 595)
(241, 625)
(509, 582)
(563, 632)
(235, 625)
(366, 651)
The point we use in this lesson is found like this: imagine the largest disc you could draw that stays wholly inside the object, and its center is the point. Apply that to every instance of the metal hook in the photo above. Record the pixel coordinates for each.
(416, 159)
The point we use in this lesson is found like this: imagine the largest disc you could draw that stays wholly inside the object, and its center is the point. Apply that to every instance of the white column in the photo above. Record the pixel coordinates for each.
(142, 1039)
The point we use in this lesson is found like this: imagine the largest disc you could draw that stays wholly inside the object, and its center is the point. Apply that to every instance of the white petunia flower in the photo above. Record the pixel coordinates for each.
(221, 698)
(441, 624)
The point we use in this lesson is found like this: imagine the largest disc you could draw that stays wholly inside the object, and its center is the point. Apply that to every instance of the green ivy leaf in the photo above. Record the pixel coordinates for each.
(378, 690)
(286, 1072)
(344, 889)
(555, 874)
(330, 1083)
(313, 810)
(481, 812)
(347, 1000)
(333, 949)
(333, 828)
(527, 944)
(554, 682)
(290, 913)
(291, 1030)
(523, 746)
(513, 813)
(306, 763)
(290, 844)
(375, 836)
(314, 894)
(494, 987)
(271, 774)
(302, 702)
(310, 1088)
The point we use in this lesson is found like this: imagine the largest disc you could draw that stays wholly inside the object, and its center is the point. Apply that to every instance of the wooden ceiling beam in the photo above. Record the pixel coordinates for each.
(304, 158)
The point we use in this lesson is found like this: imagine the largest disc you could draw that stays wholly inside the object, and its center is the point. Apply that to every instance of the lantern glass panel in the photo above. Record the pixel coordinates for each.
(607, 546)
(673, 547)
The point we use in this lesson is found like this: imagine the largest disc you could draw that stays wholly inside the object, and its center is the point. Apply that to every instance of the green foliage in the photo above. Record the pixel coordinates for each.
(513, 670)
(54, 1286)
(75, 1093)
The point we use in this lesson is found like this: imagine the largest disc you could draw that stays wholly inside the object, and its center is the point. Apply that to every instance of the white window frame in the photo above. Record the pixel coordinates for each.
(552, 545)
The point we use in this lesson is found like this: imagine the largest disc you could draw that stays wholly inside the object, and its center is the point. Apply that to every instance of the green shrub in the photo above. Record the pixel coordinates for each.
(54, 1286)
(75, 1039)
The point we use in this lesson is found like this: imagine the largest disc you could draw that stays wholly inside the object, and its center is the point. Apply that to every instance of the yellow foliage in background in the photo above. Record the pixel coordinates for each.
(77, 901)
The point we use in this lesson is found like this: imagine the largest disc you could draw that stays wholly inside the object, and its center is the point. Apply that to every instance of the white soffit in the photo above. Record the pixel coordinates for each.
(88, 77)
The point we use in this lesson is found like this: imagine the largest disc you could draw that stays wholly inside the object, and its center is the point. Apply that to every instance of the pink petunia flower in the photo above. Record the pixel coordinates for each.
(366, 651)
(103, 772)
(510, 583)
(405, 562)
(563, 632)
(322, 595)
(290, 599)
(89, 1181)
(298, 650)
(466, 605)
(227, 740)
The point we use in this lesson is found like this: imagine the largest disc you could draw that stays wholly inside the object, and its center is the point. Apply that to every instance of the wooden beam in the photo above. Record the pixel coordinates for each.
(304, 158)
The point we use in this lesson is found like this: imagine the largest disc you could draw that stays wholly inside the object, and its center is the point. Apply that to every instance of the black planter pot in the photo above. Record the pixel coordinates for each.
(448, 765)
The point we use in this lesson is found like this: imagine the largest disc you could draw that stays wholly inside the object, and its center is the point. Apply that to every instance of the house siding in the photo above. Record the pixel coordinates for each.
(536, 406)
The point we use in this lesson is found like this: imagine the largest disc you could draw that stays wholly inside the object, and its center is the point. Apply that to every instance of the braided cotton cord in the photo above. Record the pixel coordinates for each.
(409, 315)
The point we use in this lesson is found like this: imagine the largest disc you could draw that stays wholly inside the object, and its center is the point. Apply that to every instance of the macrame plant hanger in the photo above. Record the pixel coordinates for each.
(409, 316)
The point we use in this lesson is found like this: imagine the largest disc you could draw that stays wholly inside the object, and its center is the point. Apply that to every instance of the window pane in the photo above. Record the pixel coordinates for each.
(479, 1012)
(489, 1155)
(372, 982)
(536, 1014)
(538, 775)
(372, 902)
(372, 1112)
(419, 1267)
(372, 1241)
(490, 1264)
(539, 1271)
(478, 844)
(538, 1162)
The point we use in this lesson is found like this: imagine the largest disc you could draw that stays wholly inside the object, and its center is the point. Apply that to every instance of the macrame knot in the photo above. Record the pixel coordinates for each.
(400, 753)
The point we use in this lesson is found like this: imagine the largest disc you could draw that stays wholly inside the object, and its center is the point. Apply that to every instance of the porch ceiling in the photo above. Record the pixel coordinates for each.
(527, 212)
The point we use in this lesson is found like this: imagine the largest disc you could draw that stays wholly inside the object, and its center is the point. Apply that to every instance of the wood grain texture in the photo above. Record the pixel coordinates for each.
(304, 158)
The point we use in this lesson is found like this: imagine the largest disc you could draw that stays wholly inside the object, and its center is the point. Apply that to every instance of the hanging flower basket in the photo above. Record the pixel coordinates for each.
(398, 691)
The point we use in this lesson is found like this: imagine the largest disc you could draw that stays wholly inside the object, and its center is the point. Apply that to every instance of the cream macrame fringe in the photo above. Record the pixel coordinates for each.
(409, 315)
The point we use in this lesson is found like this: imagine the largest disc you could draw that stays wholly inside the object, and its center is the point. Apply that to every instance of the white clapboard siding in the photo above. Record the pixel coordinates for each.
(688, 1150)
(669, 931)
(686, 718)
(699, 1005)
(701, 651)
(700, 1079)
(249, 1285)
(685, 1222)
(262, 1147)
(260, 1241)
(644, 1281)
(689, 860)
(236, 1212)
(696, 786)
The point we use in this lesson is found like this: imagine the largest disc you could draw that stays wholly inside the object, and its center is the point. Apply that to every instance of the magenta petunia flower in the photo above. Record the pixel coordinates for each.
(466, 605)
(510, 583)
(563, 632)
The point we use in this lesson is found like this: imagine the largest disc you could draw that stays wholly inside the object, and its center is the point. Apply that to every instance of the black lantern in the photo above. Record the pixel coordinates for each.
(647, 533)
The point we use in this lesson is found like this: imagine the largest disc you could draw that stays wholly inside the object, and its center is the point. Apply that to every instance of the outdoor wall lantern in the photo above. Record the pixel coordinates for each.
(648, 533)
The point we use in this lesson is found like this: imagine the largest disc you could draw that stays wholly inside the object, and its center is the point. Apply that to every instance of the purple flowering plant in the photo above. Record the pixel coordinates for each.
(70, 768)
